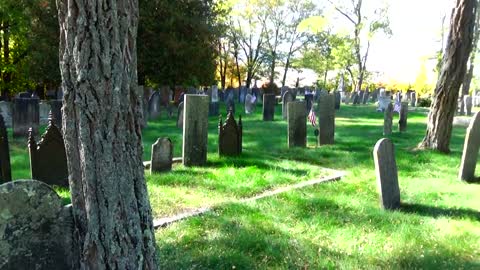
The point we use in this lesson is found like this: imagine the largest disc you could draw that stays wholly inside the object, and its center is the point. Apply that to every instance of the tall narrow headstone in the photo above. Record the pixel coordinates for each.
(402, 123)
(48, 159)
(230, 136)
(56, 110)
(338, 99)
(26, 115)
(180, 115)
(326, 119)
(286, 98)
(195, 130)
(268, 107)
(470, 150)
(468, 104)
(297, 124)
(309, 101)
(388, 120)
(154, 105)
(387, 175)
(413, 99)
(162, 155)
(5, 167)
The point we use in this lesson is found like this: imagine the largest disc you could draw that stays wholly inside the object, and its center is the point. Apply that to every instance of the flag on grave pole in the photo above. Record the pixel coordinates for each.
(312, 118)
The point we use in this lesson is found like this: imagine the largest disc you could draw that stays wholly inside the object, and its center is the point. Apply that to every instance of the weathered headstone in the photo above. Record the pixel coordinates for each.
(468, 104)
(5, 167)
(402, 123)
(268, 107)
(413, 99)
(230, 136)
(56, 110)
(154, 105)
(180, 115)
(326, 119)
(338, 99)
(387, 175)
(250, 103)
(309, 101)
(162, 155)
(470, 150)
(48, 159)
(195, 130)
(26, 115)
(388, 120)
(37, 230)
(297, 124)
(286, 98)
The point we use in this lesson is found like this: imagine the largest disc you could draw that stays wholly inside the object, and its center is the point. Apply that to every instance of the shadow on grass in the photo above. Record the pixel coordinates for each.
(437, 211)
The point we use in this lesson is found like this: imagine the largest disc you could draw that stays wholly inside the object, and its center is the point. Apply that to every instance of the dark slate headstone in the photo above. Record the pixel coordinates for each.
(195, 130)
(402, 123)
(388, 120)
(230, 136)
(162, 155)
(243, 93)
(309, 101)
(297, 124)
(180, 115)
(286, 98)
(355, 98)
(56, 111)
(470, 150)
(326, 119)
(154, 105)
(338, 99)
(269, 107)
(48, 159)
(36, 229)
(5, 167)
(387, 176)
(26, 115)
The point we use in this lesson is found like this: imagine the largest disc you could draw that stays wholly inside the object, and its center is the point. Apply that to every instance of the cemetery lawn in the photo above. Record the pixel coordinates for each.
(331, 225)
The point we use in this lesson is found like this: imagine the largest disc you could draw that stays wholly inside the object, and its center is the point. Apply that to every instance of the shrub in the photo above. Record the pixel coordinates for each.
(424, 102)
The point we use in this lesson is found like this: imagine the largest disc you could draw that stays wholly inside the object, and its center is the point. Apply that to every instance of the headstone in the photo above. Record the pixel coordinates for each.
(195, 130)
(402, 123)
(286, 98)
(366, 95)
(5, 167)
(6, 111)
(387, 175)
(338, 99)
(56, 110)
(44, 112)
(214, 97)
(162, 155)
(470, 150)
(383, 101)
(413, 99)
(297, 124)
(250, 104)
(355, 98)
(154, 105)
(37, 230)
(48, 159)
(268, 107)
(230, 136)
(243, 93)
(468, 105)
(388, 120)
(309, 101)
(180, 115)
(326, 120)
(26, 115)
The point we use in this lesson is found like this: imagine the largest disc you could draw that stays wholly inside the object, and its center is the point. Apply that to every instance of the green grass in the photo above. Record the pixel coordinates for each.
(328, 226)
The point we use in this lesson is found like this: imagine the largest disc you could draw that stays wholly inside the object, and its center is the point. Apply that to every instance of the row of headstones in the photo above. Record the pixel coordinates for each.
(388, 118)
(24, 113)
(48, 159)
(465, 105)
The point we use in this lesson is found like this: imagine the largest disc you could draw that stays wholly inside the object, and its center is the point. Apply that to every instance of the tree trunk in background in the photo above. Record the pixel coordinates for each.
(98, 63)
(454, 64)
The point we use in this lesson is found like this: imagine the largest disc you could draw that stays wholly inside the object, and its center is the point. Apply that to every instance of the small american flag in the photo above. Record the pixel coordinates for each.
(312, 118)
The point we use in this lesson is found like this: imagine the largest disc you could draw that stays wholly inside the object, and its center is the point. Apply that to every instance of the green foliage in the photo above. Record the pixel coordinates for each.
(271, 88)
(425, 102)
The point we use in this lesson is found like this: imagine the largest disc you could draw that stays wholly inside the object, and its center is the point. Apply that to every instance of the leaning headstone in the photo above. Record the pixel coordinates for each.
(250, 104)
(230, 136)
(56, 110)
(162, 156)
(388, 120)
(387, 175)
(26, 115)
(5, 167)
(37, 229)
(195, 130)
(268, 107)
(297, 124)
(338, 99)
(180, 115)
(468, 104)
(286, 98)
(48, 159)
(326, 119)
(402, 123)
(470, 150)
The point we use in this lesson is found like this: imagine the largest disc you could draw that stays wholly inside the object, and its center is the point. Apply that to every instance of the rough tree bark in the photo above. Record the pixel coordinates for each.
(454, 64)
(98, 63)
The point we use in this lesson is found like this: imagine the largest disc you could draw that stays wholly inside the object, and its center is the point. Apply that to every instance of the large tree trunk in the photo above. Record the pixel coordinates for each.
(101, 109)
(454, 64)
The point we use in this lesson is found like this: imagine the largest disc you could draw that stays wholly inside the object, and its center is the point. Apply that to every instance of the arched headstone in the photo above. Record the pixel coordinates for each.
(286, 98)
(162, 155)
